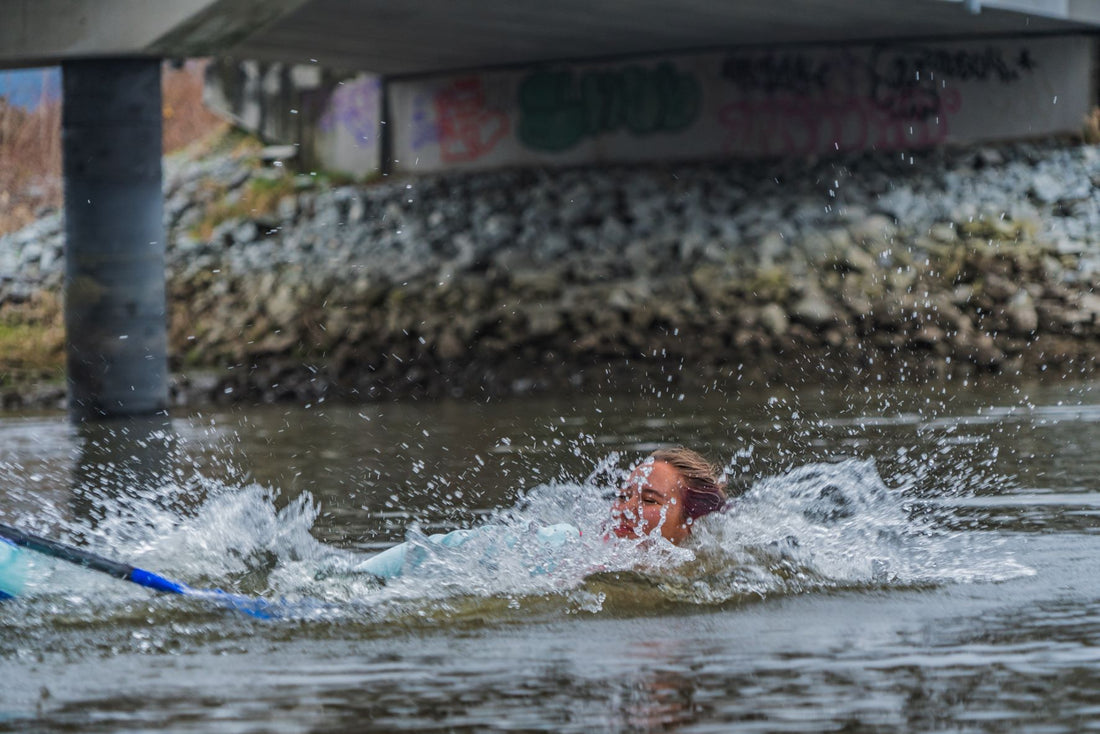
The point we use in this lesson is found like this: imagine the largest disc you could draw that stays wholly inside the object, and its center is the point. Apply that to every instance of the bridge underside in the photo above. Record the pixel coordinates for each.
(421, 36)
(418, 36)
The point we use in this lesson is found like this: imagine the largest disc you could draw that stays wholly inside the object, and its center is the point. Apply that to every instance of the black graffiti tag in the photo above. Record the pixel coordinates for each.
(796, 73)
(908, 82)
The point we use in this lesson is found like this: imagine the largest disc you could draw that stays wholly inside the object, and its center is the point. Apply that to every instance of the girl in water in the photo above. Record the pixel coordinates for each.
(664, 495)
(667, 492)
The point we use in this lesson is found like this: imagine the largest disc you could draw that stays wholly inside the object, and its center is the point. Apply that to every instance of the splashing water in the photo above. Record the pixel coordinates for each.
(820, 526)
(835, 526)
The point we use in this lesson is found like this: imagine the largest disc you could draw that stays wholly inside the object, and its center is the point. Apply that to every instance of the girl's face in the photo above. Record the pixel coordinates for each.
(651, 500)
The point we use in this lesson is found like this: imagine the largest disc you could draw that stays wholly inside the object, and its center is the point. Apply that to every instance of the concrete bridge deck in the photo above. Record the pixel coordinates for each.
(423, 36)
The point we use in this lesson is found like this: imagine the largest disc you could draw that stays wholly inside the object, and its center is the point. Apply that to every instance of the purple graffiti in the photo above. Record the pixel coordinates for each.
(354, 107)
(425, 131)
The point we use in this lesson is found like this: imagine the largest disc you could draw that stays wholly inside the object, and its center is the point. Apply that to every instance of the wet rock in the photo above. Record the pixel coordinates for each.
(1046, 188)
(928, 336)
(245, 233)
(1088, 305)
(998, 288)
(1023, 319)
(543, 320)
(720, 265)
(981, 350)
(774, 319)
(282, 305)
(897, 204)
(772, 247)
(711, 283)
(499, 228)
(1070, 247)
(287, 208)
(985, 157)
(856, 259)
(813, 309)
(537, 283)
(945, 232)
(873, 229)
(613, 233)
(449, 346)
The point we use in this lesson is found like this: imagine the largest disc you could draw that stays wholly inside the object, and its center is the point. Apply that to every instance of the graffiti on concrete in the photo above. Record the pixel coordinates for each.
(422, 128)
(806, 125)
(558, 108)
(795, 101)
(770, 73)
(465, 128)
(891, 98)
(910, 82)
(355, 108)
(900, 66)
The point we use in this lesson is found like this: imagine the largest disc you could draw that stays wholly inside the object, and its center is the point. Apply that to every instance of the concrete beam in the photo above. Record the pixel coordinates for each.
(221, 25)
(46, 32)
(1075, 11)
(422, 36)
(1084, 11)
(426, 36)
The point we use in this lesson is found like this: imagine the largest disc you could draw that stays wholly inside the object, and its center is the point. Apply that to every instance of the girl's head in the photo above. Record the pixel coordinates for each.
(666, 493)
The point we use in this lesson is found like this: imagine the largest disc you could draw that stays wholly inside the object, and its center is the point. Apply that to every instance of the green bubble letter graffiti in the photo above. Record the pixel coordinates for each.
(558, 110)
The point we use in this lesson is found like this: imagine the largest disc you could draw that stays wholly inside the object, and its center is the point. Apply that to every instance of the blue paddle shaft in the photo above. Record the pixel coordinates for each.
(254, 607)
(52, 548)
(152, 581)
(66, 552)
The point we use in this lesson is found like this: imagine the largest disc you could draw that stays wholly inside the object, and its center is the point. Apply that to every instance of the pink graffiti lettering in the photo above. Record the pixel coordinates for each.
(467, 130)
(789, 125)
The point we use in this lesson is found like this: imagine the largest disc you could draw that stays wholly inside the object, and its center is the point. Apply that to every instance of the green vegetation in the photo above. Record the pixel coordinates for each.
(258, 197)
(1000, 230)
(768, 284)
(32, 340)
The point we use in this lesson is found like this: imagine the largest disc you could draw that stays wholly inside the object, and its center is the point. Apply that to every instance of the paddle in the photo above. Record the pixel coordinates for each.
(12, 571)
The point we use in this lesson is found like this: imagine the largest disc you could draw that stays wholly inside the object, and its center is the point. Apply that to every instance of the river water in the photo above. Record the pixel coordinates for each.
(904, 558)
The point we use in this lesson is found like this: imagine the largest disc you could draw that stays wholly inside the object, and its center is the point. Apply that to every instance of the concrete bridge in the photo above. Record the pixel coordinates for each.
(422, 36)
(110, 52)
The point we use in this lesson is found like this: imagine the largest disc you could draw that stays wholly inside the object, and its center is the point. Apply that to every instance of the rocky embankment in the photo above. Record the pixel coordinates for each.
(946, 262)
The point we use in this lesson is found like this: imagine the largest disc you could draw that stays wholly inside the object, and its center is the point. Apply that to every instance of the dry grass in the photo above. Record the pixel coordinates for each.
(32, 340)
(30, 162)
(186, 118)
(30, 143)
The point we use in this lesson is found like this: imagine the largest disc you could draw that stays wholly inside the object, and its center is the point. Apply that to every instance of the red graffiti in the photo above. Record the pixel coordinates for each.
(790, 125)
(467, 130)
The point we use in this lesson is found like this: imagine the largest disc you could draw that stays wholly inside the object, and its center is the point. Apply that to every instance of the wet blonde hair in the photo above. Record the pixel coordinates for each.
(704, 491)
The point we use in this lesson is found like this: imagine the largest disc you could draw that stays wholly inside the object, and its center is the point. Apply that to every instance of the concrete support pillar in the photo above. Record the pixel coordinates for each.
(114, 250)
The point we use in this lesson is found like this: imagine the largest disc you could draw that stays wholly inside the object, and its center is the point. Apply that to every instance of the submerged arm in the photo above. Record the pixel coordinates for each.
(392, 562)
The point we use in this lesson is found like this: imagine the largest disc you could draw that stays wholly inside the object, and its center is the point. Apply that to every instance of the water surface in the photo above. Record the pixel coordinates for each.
(904, 559)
